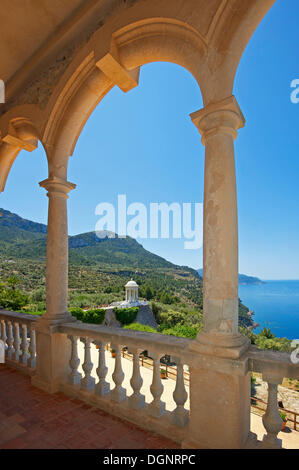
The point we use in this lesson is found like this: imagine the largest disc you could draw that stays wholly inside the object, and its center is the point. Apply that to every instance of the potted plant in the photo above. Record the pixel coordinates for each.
(284, 420)
(163, 373)
(112, 352)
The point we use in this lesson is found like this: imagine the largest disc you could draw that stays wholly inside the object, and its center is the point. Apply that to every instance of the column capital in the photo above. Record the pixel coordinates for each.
(57, 185)
(225, 116)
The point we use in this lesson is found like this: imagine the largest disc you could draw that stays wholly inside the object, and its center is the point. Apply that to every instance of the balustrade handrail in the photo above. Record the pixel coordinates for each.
(23, 317)
(272, 363)
(152, 342)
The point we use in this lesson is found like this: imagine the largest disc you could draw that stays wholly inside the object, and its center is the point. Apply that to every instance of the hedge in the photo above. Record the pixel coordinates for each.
(95, 316)
(126, 315)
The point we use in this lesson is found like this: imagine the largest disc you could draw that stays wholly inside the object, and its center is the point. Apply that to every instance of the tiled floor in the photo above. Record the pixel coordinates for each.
(33, 419)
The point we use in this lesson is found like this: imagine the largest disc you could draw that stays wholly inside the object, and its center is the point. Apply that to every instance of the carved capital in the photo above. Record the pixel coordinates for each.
(57, 186)
(222, 117)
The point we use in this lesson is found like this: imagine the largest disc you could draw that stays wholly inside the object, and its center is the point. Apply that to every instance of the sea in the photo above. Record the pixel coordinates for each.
(275, 305)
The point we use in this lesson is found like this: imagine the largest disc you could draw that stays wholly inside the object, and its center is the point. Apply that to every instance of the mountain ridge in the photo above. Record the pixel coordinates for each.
(24, 238)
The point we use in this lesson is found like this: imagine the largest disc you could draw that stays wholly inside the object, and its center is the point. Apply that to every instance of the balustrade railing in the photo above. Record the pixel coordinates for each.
(135, 342)
(18, 334)
(17, 331)
(274, 367)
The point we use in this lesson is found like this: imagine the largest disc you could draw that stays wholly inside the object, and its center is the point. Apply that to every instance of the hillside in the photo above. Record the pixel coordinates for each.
(23, 239)
(98, 270)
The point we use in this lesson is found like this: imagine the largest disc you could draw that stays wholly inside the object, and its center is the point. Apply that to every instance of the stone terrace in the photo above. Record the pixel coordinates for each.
(33, 419)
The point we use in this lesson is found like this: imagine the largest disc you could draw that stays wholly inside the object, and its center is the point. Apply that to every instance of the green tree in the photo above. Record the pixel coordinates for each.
(148, 293)
(12, 282)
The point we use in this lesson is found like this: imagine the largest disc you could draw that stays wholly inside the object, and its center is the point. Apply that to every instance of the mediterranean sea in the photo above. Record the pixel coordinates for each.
(275, 305)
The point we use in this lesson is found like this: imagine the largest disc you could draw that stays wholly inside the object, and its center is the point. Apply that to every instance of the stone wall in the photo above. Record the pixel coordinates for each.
(145, 316)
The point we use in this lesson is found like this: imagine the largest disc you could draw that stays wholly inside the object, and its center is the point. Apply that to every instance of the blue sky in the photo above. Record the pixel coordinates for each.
(144, 145)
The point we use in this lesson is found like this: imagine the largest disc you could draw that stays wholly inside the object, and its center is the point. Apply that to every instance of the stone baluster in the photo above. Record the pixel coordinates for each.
(32, 349)
(271, 420)
(87, 382)
(3, 333)
(136, 400)
(17, 342)
(10, 340)
(118, 394)
(102, 387)
(156, 407)
(74, 376)
(24, 345)
(180, 415)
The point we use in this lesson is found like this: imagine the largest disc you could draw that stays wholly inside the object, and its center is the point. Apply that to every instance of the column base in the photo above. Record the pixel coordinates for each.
(220, 345)
(53, 353)
(271, 442)
(49, 387)
(220, 404)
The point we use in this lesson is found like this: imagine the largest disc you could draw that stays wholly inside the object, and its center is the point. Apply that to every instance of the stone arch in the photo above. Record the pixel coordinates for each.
(206, 39)
(130, 47)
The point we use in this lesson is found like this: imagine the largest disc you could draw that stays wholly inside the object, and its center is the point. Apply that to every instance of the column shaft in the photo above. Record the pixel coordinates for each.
(218, 124)
(220, 261)
(57, 248)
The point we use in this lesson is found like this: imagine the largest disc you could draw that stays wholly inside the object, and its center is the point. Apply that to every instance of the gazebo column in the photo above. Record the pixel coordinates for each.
(220, 384)
(53, 349)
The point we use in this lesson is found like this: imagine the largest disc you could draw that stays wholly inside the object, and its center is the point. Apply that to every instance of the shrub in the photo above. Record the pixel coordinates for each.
(267, 333)
(126, 315)
(13, 299)
(39, 295)
(139, 327)
(95, 316)
(156, 309)
(77, 312)
(171, 318)
(185, 331)
(275, 344)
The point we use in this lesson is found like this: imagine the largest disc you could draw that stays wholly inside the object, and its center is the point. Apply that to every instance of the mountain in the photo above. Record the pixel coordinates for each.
(99, 267)
(24, 239)
(15, 229)
(243, 279)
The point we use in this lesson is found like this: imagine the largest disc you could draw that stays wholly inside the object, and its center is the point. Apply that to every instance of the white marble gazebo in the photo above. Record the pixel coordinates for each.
(131, 291)
(131, 296)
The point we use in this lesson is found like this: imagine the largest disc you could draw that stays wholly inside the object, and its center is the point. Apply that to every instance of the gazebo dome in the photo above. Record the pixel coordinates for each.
(131, 283)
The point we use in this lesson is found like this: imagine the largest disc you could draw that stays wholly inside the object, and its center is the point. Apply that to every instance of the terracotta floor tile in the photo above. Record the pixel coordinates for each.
(32, 419)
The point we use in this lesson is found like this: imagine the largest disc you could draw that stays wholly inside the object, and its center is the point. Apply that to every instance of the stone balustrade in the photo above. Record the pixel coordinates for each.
(18, 334)
(153, 415)
(274, 367)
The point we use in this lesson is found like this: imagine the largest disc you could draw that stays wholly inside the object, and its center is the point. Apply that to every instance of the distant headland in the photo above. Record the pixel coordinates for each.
(243, 279)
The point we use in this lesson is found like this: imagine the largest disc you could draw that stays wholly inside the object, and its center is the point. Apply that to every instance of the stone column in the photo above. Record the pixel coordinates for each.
(220, 381)
(57, 249)
(218, 124)
(53, 348)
